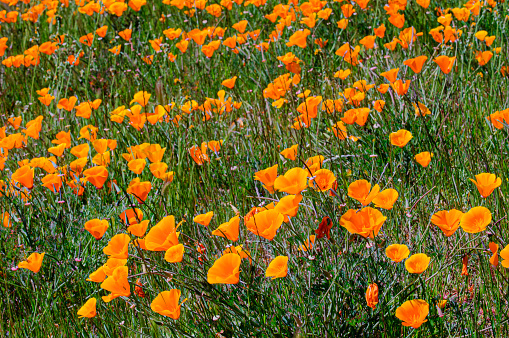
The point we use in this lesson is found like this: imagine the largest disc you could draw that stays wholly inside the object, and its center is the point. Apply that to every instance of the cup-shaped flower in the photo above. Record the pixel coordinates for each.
(53, 182)
(292, 182)
(97, 227)
(138, 229)
(131, 216)
(505, 257)
(494, 258)
(417, 263)
(423, 158)
(397, 252)
(98, 276)
(167, 304)
(277, 268)
(445, 63)
(163, 235)
(372, 295)
(137, 166)
(174, 254)
(289, 206)
(265, 223)
(267, 177)
(25, 176)
(447, 221)
(97, 176)
(225, 270)
(476, 220)
(204, 219)
(118, 246)
(88, 309)
(366, 222)
(229, 229)
(486, 183)
(323, 180)
(360, 190)
(413, 313)
(400, 138)
(290, 153)
(386, 199)
(117, 283)
(33, 262)
(139, 189)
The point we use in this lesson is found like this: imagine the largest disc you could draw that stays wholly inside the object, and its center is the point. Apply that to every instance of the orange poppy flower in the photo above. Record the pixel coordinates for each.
(476, 220)
(277, 268)
(174, 254)
(290, 153)
(366, 222)
(125, 34)
(424, 158)
(416, 64)
(288, 206)
(464, 262)
(397, 252)
(53, 182)
(131, 216)
(417, 263)
(323, 180)
(265, 223)
(97, 176)
(87, 39)
(81, 150)
(204, 219)
(118, 246)
(97, 227)
(400, 138)
(308, 245)
(58, 150)
(391, 75)
(229, 83)
(6, 220)
(413, 313)
(141, 97)
(372, 295)
(229, 230)
(158, 169)
(505, 256)
(138, 229)
(494, 258)
(299, 38)
(486, 183)
(360, 191)
(163, 235)
(292, 182)
(225, 270)
(167, 304)
(25, 176)
(199, 154)
(117, 284)
(420, 109)
(88, 309)
(112, 264)
(154, 152)
(447, 221)
(267, 177)
(34, 262)
(139, 189)
(445, 63)
(386, 199)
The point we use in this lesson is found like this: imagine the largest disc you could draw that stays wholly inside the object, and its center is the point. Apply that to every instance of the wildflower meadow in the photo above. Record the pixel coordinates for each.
(254, 168)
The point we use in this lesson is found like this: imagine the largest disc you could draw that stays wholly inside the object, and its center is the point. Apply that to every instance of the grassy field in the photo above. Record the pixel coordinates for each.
(354, 156)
